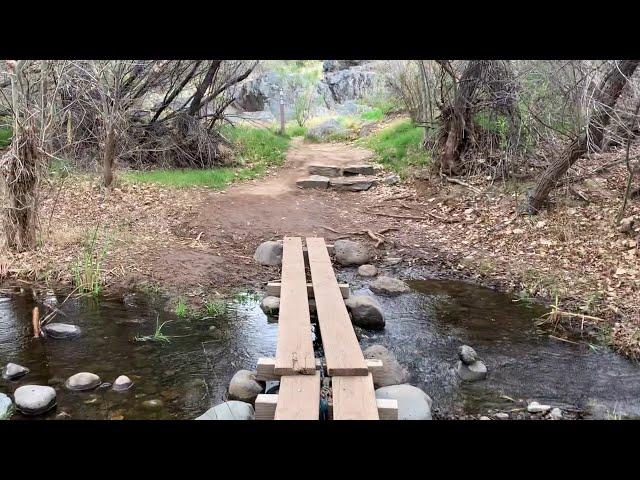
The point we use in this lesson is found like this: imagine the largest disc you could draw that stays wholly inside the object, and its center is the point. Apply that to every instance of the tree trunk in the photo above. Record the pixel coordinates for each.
(605, 99)
(109, 156)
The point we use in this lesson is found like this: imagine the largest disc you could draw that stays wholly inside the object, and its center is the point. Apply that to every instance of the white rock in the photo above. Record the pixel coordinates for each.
(231, 410)
(413, 403)
(83, 381)
(14, 371)
(535, 407)
(367, 270)
(270, 305)
(556, 414)
(6, 406)
(34, 399)
(502, 416)
(122, 383)
(244, 387)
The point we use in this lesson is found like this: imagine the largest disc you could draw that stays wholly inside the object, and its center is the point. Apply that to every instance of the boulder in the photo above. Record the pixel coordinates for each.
(313, 181)
(269, 253)
(231, 410)
(244, 387)
(367, 270)
(83, 381)
(413, 403)
(6, 407)
(348, 252)
(324, 130)
(350, 83)
(352, 184)
(34, 399)
(471, 373)
(535, 407)
(467, 354)
(61, 330)
(335, 65)
(365, 312)
(359, 170)
(270, 305)
(122, 383)
(392, 372)
(384, 285)
(13, 371)
(325, 170)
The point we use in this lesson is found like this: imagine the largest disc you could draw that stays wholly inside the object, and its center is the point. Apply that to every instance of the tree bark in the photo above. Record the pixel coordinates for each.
(606, 96)
(109, 156)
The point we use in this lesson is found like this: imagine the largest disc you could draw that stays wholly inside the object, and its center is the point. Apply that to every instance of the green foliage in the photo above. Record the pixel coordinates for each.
(295, 131)
(87, 271)
(182, 309)
(375, 114)
(215, 308)
(6, 133)
(157, 336)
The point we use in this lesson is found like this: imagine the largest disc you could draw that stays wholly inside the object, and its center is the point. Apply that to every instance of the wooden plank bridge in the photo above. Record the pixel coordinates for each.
(299, 372)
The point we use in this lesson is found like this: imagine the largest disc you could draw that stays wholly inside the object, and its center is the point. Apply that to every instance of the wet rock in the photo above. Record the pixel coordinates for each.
(325, 170)
(270, 305)
(359, 170)
(555, 414)
(269, 253)
(83, 381)
(313, 181)
(467, 354)
(231, 410)
(244, 387)
(6, 407)
(352, 184)
(502, 416)
(122, 383)
(104, 385)
(392, 372)
(367, 270)
(13, 371)
(348, 252)
(61, 330)
(413, 403)
(365, 312)
(34, 399)
(471, 373)
(535, 407)
(384, 285)
(62, 415)
(153, 404)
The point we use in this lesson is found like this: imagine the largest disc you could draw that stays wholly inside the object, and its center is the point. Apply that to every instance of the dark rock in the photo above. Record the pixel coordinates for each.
(392, 372)
(314, 181)
(359, 170)
(365, 312)
(471, 373)
(325, 170)
(269, 253)
(352, 184)
(384, 285)
(61, 330)
(467, 354)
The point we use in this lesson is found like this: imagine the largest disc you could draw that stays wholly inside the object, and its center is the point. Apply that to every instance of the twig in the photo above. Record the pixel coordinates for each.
(464, 184)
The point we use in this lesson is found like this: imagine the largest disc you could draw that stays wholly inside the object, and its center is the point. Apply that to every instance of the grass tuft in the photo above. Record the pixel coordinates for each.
(157, 336)
(87, 271)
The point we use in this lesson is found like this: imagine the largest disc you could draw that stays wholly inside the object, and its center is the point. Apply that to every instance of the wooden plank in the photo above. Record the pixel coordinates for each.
(299, 398)
(294, 353)
(342, 351)
(375, 368)
(354, 398)
(387, 409)
(265, 369)
(266, 406)
(273, 289)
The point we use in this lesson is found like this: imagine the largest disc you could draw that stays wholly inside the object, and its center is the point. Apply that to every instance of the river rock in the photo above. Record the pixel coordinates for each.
(83, 381)
(413, 403)
(6, 407)
(153, 404)
(269, 253)
(270, 305)
(325, 170)
(502, 416)
(352, 184)
(555, 414)
(61, 330)
(34, 399)
(231, 410)
(313, 181)
(122, 383)
(384, 285)
(14, 371)
(392, 372)
(367, 270)
(244, 387)
(348, 252)
(471, 373)
(359, 170)
(467, 354)
(365, 312)
(535, 407)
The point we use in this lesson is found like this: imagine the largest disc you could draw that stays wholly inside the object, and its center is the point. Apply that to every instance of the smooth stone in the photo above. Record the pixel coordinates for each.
(325, 170)
(484, 418)
(61, 330)
(555, 414)
(413, 403)
(467, 354)
(6, 407)
(314, 181)
(352, 184)
(270, 305)
(34, 399)
(502, 416)
(14, 371)
(122, 383)
(365, 312)
(83, 381)
(471, 373)
(535, 407)
(367, 270)
(348, 252)
(153, 404)
(269, 253)
(384, 285)
(359, 170)
(392, 373)
(244, 387)
(231, 410)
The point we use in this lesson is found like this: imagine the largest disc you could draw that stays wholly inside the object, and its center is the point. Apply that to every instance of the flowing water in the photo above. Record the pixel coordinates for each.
(424, 329)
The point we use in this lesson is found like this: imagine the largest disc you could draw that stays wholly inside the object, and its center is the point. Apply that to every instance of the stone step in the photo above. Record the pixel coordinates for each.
(313, 181)
(353, 184)
(336, 171)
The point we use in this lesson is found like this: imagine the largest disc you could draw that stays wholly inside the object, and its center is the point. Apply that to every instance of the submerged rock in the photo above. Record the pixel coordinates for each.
(535, 407)
(392, 372)
(348, 252)
(34, 399)
(367, 270)
(61, 330)
(471, 373)
(270, 305)
(14, 371)
(365, 312)
(269, 253)
(413, 403)
(83, 381)
(6, 407)
(122, 383)
(244, 387)
(153, 404)
(467, 354)
(384, 285)
(231, 410)
(555, 414)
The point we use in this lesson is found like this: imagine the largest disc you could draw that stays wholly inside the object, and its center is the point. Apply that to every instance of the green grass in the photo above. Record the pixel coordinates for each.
(375, 114)
(87, 271)
(5, 136)
(295, 130)
(215, 308)
(157, 336)
(398, 146)
(256, 150)
(182, 309)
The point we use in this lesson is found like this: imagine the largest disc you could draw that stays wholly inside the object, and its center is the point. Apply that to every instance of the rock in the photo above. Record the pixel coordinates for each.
(231, 410)
(153, 404)
(484, 418)
(350, 83)
(61, 330)
(34, 399)
(269, 253)
(335, 65)
(270, 305)
(359, 170)
(314, 181)
(626, 225)
(352, 184)
(367, 270)
(122, 383)
(104, 385)
(471, 373)
(325, 170)
(413, 403)
(13, 371)
(391, 180)
(365, 312)
(326, 129)
(502, 416)
(6, 407)
(384, 285)
(83, 381)
(467, 354)
(391, 261)
(348, 252)
(555, 414)
(392, 372)
(535, 407)
(244, 387)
